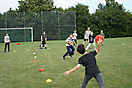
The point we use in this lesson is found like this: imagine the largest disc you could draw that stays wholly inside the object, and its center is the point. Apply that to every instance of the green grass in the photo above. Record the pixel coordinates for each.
(17, 69)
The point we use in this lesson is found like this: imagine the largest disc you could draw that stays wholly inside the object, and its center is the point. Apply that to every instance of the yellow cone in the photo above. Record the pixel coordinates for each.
(123, 43)
(14, 51)
(28, 50)
(48, 80)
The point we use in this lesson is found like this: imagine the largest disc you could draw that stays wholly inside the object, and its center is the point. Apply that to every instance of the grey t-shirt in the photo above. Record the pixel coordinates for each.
(87, 33)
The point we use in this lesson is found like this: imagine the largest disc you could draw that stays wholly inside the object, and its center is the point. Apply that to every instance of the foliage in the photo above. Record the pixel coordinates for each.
(35, 5)
(41, 14)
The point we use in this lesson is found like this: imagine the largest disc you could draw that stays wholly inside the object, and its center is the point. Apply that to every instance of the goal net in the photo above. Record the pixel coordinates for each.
(17, 34)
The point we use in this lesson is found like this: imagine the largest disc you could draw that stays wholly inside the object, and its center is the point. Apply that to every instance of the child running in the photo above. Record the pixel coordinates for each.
(69, 45)
(75, 37)
(91, 68)
(91, 40)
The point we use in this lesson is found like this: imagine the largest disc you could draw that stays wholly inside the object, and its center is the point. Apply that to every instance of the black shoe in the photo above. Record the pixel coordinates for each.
(63, 58)
(4, 51)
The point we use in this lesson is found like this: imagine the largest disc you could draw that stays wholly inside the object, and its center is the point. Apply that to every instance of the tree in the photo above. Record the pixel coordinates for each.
(35, 5)
(111, 18)
(82, 19)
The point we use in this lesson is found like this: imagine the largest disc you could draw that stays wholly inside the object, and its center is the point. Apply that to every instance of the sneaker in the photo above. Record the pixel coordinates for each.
(41, 48)
(45, 47)
(90, 48)
(63, 58)
(102, 44)
(4, 51)
(70, 56)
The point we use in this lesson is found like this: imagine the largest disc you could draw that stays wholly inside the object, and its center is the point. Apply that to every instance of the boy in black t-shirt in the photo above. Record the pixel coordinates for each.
(91, 40)
(91, 68)
(43, 39)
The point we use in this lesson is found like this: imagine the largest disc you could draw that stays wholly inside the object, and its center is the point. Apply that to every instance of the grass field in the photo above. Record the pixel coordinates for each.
(17, 69)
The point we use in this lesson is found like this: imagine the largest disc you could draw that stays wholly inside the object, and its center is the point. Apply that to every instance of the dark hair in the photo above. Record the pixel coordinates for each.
(70, 34)
(81, 49)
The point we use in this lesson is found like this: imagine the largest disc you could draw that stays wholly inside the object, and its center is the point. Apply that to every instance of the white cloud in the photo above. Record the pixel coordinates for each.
(124, 1)
(6, 4)
(68, 3)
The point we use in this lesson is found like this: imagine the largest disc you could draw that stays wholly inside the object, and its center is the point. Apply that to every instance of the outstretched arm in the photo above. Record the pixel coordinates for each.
(72, 70)
(98, 47)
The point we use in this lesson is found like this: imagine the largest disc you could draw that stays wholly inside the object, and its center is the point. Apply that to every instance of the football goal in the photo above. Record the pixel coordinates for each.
(17, 34)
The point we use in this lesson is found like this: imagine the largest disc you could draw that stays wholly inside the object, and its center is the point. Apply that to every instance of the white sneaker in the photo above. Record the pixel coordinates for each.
(70, 56)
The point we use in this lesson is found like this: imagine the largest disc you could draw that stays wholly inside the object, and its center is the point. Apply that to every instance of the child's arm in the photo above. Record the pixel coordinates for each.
(75, 43)
(69, 42)
(9, 40)
(84, 36)
(72, 70)
(4, 41)
(41, 38)
(98, 47)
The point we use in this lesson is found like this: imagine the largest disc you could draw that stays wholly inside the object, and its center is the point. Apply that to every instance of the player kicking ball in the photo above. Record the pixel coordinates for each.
(91, 40)
(43, 39)
(91, 68)
(69, 45)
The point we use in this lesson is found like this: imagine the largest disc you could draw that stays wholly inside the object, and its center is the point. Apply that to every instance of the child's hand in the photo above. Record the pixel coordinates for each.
(100, 40)
(66, 73)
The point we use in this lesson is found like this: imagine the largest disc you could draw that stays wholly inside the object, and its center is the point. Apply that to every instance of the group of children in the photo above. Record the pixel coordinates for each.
(88, 36)
(88, 60)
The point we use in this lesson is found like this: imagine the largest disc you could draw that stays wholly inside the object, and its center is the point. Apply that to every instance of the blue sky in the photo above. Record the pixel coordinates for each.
(6, 4)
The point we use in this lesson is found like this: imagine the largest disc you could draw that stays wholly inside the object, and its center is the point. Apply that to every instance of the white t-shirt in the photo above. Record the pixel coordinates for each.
(74, 35)
(6, 39)
(87, 33)
(69, 40)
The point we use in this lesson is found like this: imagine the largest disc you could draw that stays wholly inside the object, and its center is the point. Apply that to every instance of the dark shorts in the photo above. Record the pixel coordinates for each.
(43, 42)
(85, 39)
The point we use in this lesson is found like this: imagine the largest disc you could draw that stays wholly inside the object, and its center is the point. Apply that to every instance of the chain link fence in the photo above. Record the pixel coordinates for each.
(57, 24)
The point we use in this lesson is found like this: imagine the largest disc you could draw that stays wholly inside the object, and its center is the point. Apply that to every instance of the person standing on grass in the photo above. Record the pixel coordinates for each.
(69, 46)
(75, 37)
(102, 35)
(91, 40)
(43, 39)
(7, 42)
(91, 68)
(86, 36)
